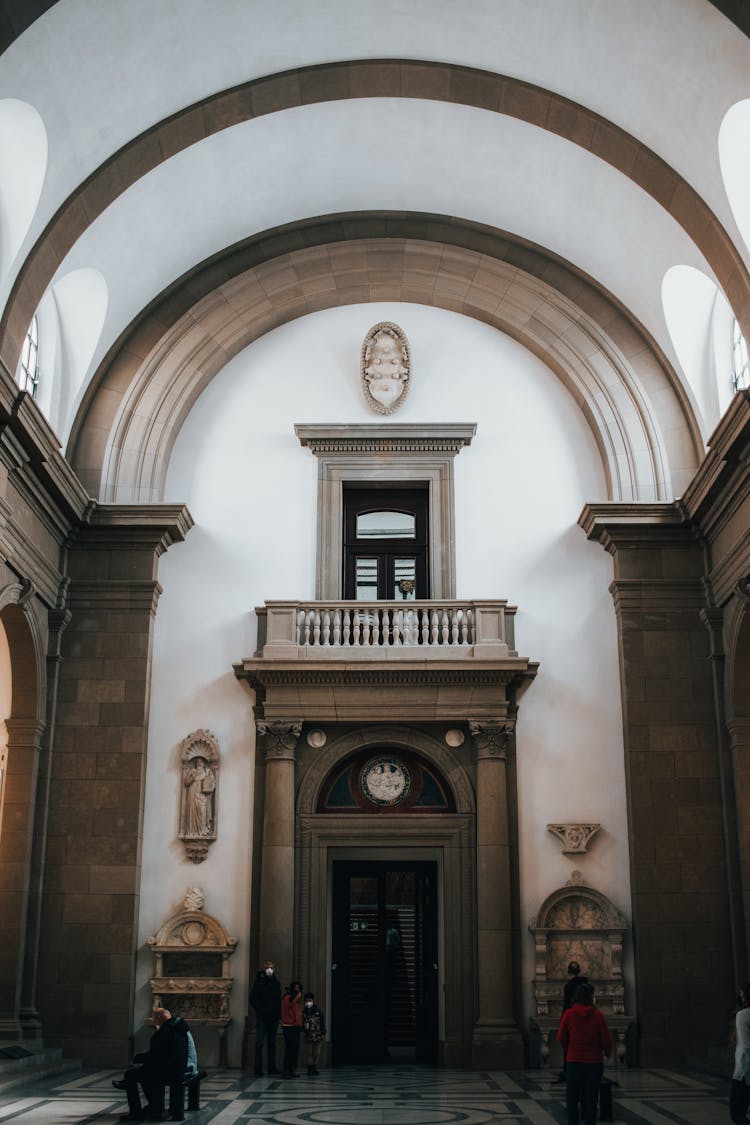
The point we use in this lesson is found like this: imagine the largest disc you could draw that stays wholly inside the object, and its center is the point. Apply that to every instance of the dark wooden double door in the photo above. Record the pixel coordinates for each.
(384, 979)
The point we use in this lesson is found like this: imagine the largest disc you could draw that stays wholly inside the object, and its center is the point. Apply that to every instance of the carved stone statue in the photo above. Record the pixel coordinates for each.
(198, 805)
(385, 367)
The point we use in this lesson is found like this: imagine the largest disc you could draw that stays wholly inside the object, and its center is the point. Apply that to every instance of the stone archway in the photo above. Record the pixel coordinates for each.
(631, 399)
(445, 839)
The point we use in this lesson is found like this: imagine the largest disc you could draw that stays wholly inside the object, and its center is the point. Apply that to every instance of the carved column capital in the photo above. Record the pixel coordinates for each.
(279, 738)
(491, 739)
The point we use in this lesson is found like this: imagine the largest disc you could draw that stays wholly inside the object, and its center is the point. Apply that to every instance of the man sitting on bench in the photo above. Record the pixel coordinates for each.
(162, 1064)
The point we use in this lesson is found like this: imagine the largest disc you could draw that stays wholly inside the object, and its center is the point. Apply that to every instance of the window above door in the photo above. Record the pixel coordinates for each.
(386, 543)
(387, 457)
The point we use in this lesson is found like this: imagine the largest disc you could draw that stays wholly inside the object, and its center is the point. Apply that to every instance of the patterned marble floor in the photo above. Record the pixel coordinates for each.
(403, 1095)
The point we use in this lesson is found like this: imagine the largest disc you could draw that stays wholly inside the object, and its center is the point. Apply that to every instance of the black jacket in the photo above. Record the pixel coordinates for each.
(265, 997)
(570, 989)
(166, 1059)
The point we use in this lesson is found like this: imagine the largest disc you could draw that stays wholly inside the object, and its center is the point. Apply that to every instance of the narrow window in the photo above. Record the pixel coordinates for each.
(28, 369)
(740, 365)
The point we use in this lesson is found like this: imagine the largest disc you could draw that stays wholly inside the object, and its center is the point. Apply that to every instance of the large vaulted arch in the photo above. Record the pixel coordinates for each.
(632, 400)
(387, 78)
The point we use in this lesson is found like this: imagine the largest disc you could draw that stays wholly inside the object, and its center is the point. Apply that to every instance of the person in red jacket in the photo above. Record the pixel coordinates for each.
(585, 1038)
(291, 1026)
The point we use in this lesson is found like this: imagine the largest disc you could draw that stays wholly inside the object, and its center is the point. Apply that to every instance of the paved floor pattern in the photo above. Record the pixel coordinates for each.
(403, 1095)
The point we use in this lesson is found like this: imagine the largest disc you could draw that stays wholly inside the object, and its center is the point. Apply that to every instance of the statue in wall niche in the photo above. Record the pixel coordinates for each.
(198, 806)
(385, 367)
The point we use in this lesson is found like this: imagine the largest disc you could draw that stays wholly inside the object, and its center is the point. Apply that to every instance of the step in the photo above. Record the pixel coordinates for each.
(34, 1066)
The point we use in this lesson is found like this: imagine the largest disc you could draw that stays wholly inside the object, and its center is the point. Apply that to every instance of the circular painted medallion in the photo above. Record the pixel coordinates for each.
(385, 781)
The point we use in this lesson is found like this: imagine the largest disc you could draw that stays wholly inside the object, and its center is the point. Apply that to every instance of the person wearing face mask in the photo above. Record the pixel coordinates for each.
(291, 1026)
(314, 1031)
(265, 999)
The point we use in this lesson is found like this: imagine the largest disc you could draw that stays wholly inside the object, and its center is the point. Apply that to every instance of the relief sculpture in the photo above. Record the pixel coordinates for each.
(385, 367)
(198, 806)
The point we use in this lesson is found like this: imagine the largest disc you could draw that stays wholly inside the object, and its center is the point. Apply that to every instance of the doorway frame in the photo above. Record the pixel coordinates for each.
(446, 840)
(449, 839)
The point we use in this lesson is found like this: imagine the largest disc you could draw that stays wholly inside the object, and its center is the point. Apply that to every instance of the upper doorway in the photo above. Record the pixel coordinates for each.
(384, 980)
(386, 541)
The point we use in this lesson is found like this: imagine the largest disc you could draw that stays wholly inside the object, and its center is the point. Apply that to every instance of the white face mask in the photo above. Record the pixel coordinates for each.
(269, 972)
(308, 1003)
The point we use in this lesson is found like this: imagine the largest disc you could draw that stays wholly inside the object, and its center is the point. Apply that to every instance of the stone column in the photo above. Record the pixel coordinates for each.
(679, 847)
(57, 620)
(19, 787)
(278, 741)
(90, 900)
(497, 1041)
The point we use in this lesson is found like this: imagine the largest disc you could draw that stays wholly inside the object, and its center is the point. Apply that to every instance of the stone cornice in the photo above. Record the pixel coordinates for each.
(27, 441)
(389, 437)
(155, 526)
(120, 595)
(728, 455)
(634, 525)
(262, 674)
(657, 593)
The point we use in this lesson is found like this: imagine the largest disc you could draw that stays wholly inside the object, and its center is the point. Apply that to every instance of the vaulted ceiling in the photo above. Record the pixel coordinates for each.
(193, 147)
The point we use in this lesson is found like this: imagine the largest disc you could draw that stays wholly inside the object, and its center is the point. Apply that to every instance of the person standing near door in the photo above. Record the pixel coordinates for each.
(265, 999)
(314, 1028)
(291, 1026)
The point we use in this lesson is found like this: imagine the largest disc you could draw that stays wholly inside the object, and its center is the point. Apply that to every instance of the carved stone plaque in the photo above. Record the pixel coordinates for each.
(385, 367)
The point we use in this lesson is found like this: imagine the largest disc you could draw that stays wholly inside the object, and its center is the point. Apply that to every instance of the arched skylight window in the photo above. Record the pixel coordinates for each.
(741, 364)
(28, 368)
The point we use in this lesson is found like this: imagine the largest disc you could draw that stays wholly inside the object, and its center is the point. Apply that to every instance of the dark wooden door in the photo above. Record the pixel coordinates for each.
(384, 999)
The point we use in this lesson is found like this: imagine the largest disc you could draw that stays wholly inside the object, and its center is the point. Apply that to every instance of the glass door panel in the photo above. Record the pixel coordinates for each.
(366, 579)
(404, 579)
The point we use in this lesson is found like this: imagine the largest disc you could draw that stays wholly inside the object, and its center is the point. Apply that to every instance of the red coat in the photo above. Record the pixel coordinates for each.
(584, 1034)
(291, 1010)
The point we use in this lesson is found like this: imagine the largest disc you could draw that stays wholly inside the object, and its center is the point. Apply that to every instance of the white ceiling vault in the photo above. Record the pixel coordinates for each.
(179, 132)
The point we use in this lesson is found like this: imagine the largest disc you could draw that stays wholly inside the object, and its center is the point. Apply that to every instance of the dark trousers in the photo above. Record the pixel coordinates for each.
(265, 1032)
(739, 1100)
(152, 1091)
(292, 1036)
(583, 1081)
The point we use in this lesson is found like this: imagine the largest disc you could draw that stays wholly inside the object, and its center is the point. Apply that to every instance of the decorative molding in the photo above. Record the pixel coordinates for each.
(119, 595)
(393, 437)
(279, 738)
(492, 739)
(575, 838)
(385, 367)
(260, 676)
(199, 812)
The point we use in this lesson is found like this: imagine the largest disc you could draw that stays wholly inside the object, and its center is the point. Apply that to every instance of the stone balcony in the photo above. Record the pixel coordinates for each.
(415, 661)
(386, 630)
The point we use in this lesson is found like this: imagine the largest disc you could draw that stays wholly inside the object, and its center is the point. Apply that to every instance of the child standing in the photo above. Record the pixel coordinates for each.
(314, 1030)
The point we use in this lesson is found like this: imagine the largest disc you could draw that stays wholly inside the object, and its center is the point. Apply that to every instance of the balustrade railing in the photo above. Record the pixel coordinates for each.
(377, 625)
(289, 630)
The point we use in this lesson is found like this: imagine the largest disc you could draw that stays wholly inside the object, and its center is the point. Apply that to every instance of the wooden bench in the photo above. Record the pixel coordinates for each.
(191, 1083)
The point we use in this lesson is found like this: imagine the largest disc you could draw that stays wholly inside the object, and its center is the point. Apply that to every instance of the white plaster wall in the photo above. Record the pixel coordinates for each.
(252, 491)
